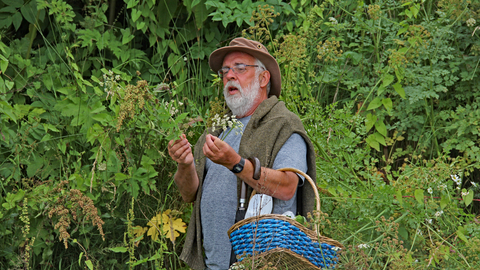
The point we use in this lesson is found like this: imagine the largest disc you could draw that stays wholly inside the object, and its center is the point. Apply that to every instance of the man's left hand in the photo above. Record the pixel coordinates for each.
(220, 152)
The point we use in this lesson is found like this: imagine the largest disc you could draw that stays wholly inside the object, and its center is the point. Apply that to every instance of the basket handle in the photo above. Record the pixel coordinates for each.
(312, 183)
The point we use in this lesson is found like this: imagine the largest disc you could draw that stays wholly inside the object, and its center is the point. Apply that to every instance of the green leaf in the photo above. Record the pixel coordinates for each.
(121, 176)
(201, 15)
(419, 195)
(34, 167)
(387, 79)
(80, 258)
(415, 9)
(89, 264)
(3, 64)
(141, 26)
(461, 234)
(356, 57)
(126, 35)
(118, 249)
(29, 11)
(194, 3)
(399, 197)
(399, 89)
(8, 110)
(372, 141)
(380, 138)
(376, 102)
(9, 84)
(444, 201)
(17, 20)
(401, 31)
(408, 13)
(387, 103)
(467, 198)
(132, 3)
(135, 15)
(370, 121)
(13, 3)
(381, 128)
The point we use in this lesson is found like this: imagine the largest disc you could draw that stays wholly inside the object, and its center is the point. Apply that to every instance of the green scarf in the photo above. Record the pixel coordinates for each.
(266, 132)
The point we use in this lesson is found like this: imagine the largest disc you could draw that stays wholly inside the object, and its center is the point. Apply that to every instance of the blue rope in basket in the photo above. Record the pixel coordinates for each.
(268, 234)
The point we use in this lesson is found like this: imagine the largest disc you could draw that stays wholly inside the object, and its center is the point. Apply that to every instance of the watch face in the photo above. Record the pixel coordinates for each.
(237, 168)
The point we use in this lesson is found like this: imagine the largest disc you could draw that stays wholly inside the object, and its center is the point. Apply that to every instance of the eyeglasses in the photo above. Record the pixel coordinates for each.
(237, 69)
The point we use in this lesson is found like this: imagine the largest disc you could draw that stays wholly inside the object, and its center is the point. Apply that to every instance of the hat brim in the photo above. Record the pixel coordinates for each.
(217, 56)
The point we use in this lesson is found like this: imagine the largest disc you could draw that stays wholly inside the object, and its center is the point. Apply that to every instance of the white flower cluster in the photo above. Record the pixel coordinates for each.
(471, 22)
(457, 180)
(473, 184)
(430, 190)
(333, 20)
(172, 109)
(428, 220)
(363, 246)
(442, 187)
(110, 83)
(227, 122)
(438, 213)
(465, 193)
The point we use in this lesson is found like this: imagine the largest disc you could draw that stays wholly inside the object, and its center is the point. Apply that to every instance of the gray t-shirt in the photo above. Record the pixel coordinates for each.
(219, 196)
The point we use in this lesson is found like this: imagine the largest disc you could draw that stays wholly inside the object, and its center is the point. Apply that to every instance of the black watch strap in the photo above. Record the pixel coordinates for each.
(256, 167)
(237, 168)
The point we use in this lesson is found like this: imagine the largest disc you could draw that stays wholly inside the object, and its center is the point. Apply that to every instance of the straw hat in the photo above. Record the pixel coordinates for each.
(255, 49)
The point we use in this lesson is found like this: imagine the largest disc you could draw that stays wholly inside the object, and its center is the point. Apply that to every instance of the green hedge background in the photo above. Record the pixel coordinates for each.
(91, 91)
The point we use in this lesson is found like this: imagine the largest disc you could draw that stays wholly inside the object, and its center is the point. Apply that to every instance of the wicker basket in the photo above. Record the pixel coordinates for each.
(283, 241)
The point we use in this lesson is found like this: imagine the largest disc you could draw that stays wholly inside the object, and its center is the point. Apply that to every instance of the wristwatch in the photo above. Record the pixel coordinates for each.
(237, 168)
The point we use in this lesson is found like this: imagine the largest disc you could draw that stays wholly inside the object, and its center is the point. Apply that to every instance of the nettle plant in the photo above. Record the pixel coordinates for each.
(131, 140)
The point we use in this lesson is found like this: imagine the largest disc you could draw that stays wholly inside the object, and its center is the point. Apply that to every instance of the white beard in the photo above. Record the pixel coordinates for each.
(242, 102)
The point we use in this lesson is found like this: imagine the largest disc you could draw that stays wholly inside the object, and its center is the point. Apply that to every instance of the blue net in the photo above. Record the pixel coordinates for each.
(268, 234)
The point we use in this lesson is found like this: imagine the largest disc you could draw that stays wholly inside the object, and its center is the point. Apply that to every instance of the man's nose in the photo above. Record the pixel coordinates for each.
(230, 75)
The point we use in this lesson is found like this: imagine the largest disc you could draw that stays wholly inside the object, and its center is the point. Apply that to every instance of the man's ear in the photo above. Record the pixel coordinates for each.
(264, 78)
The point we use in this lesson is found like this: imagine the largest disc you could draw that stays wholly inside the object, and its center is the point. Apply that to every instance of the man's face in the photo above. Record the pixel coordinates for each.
(241, 91)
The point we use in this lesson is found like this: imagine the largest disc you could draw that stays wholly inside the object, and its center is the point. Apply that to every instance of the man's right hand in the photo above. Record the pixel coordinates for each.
(180, 151)
(186, 176)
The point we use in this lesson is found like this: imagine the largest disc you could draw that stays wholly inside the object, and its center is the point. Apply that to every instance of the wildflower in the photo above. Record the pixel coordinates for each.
(428, 220)
(442, 187)
(333, 20)
(471, 22)
(438, 213)
(102, 166)
(430, 190)
(465, 193)
(473, 184)
(185, 59)
(161, 87)
(456, 179)
(419, 232)
(363, 246)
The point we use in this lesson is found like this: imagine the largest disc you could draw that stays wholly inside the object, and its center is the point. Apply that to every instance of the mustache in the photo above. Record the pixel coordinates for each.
(233, 84)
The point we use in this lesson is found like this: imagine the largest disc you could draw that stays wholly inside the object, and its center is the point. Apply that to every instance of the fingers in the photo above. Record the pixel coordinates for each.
(179, 150)
(210, 148)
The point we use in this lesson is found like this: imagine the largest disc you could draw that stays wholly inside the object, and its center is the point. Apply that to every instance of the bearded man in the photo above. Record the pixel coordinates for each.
(273, 138)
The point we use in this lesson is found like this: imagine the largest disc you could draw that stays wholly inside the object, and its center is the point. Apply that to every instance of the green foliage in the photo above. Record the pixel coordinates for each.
(92, 91)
